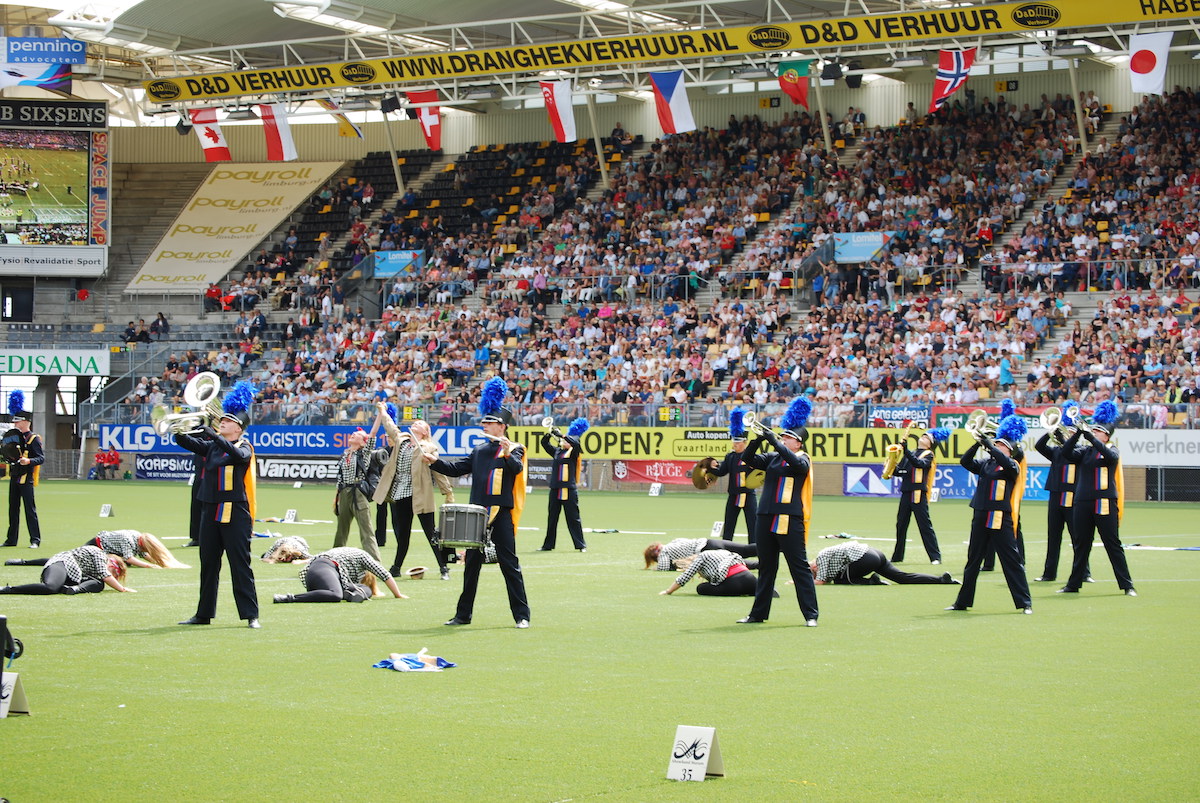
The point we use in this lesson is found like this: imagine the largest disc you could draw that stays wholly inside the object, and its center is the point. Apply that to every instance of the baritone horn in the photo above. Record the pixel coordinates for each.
(979, 425)
(202, 393)
(548, 424)
(1051, 419)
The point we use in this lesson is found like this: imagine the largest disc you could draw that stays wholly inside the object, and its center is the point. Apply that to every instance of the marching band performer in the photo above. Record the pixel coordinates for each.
(725, 573)
(997, 506)
(856, 564)
(564, 478)
(227, 492)
(669, 556)
(342, 573)
(918, 470)
(1099, 498)
(134, 547)
(82, 570)
(289, 549)
(406, 486)
(1060, 485)
(497, 482)
(740, 499)
(783, 517)
(24, 453)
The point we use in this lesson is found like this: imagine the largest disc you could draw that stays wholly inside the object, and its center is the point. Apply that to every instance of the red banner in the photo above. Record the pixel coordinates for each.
(668, 472)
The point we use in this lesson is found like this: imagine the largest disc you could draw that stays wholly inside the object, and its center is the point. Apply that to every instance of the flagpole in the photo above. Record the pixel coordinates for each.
(591, 106)
(1078, 111)
(824, 122)
(387, 126)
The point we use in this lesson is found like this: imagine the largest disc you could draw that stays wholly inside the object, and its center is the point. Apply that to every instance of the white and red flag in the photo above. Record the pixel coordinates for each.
(280, 147)
(431, 121)
(954, 67)
(557, 95)
(1148, 62)
(204, 121)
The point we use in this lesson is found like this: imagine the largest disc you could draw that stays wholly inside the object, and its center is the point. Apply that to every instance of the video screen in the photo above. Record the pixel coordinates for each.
(44, 187)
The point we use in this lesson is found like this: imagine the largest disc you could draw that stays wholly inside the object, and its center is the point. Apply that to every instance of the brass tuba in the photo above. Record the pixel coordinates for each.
(202, 393)
(979, 425)
(1051, 419)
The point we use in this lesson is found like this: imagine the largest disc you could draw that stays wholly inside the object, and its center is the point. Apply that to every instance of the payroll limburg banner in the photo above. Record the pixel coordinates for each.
(235, 208)
(837, 32)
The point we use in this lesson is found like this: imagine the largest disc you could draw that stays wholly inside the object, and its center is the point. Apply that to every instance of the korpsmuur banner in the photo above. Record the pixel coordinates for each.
(896, 28)
(682, 443)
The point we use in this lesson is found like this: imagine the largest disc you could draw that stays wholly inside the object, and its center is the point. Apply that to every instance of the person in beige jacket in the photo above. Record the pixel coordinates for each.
(406, 486)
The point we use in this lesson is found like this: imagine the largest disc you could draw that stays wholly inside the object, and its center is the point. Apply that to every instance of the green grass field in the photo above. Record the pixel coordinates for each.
(1091, 698)
(55, 171)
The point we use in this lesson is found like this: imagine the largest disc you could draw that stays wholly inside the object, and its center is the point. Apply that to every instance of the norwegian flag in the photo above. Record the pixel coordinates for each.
(954, 67)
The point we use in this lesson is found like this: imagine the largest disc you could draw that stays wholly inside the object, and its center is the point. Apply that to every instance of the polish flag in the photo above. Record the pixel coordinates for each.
(557, 95)
(431, 121)
(671, 102)
(216, 149)
(1148, 62)
(280, 147)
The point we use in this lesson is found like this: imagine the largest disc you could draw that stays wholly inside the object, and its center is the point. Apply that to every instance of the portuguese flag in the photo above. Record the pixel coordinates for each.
(793, 80)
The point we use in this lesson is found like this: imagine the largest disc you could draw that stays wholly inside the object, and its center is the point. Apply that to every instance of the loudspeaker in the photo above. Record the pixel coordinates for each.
(390, 103)
(831, 72)
(182, 128)
(854, 81)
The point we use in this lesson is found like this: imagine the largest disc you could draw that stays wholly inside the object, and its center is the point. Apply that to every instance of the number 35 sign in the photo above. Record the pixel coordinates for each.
(695, 754)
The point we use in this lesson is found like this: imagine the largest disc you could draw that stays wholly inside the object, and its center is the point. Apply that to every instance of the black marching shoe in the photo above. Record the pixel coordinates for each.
(196, 620)
(283, 598)
(955, 607)
(947, 579)
(456, 621)
(253, 624)
(1045, 578)
(1067, 590)
(14, 562)
(750, 620)
(1130, 592)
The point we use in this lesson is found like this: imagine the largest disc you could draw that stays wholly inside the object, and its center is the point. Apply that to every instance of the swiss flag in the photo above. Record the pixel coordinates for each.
(209, 132)
(431, 121)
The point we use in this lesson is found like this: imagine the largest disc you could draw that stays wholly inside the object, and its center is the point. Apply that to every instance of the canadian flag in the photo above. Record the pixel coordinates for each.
(1148, 62)
(557, 95)
(280, 147)
(431, 121)
(209, 132)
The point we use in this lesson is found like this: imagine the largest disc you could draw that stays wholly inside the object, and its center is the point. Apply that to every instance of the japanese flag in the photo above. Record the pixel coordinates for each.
(209, 132)
(1148, 62)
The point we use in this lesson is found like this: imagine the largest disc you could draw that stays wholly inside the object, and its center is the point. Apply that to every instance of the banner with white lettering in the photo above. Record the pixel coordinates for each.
(305, 441)
(54, 362)
(953, 481)
(162, 467)
(668, 472)
(228, 215)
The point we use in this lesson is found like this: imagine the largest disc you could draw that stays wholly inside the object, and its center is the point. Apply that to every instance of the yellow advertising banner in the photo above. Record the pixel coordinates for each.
(682, 443)
(894, 28)
(235, 208)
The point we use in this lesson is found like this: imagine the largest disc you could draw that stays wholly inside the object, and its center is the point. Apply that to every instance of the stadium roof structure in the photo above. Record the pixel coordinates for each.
(136, 42)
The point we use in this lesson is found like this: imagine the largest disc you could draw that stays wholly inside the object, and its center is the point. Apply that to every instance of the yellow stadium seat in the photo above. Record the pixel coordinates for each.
(764, 217)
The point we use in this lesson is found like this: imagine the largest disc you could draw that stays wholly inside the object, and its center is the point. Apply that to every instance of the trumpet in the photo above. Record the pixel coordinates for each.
(979, 425)
(548, 424)
(201, 393)
(751, 422)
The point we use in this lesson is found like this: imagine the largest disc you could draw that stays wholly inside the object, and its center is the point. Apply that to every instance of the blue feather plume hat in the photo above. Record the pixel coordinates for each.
(578, 427)
(1007, 408)
(16, 406)
(939, 434)
(491, 402)
(237, 403)
(1070, 413)
(737, 424)
(1011, 431)
(796, 417)
(1105, 417)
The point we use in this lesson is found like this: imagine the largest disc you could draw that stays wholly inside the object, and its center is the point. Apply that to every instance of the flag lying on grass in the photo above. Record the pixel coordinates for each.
(414, 662)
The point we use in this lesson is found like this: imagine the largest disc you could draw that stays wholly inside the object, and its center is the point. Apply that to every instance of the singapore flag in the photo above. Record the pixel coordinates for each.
(1148, 62)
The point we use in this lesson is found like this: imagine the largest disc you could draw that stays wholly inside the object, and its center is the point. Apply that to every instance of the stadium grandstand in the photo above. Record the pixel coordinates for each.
(643, 214)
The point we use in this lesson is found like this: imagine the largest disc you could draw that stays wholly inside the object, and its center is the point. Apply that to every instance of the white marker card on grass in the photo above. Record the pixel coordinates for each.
(935, 494)
(106, 511)
(290, 516)
(12, 696)
(298, 484)
(695, 754)
(656, 489)
(718, 528)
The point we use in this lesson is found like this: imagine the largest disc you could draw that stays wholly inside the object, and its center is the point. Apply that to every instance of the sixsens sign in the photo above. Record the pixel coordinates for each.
(232, 211)
(836, 32)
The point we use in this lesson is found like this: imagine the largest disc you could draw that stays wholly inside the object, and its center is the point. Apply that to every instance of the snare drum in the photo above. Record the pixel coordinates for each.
(463, 526)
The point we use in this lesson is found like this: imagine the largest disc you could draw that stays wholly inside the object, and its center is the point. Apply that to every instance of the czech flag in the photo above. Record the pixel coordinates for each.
(280, 147)
(1148, 62)
(557, 95)
(671, 101)
(216, 149)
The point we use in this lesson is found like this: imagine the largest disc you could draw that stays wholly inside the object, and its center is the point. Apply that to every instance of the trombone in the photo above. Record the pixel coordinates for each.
(201, 393)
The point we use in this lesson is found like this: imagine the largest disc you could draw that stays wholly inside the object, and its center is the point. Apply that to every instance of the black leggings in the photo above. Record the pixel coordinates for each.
(402, 516)
(324, 584)
(741, 584)
(54, 581)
